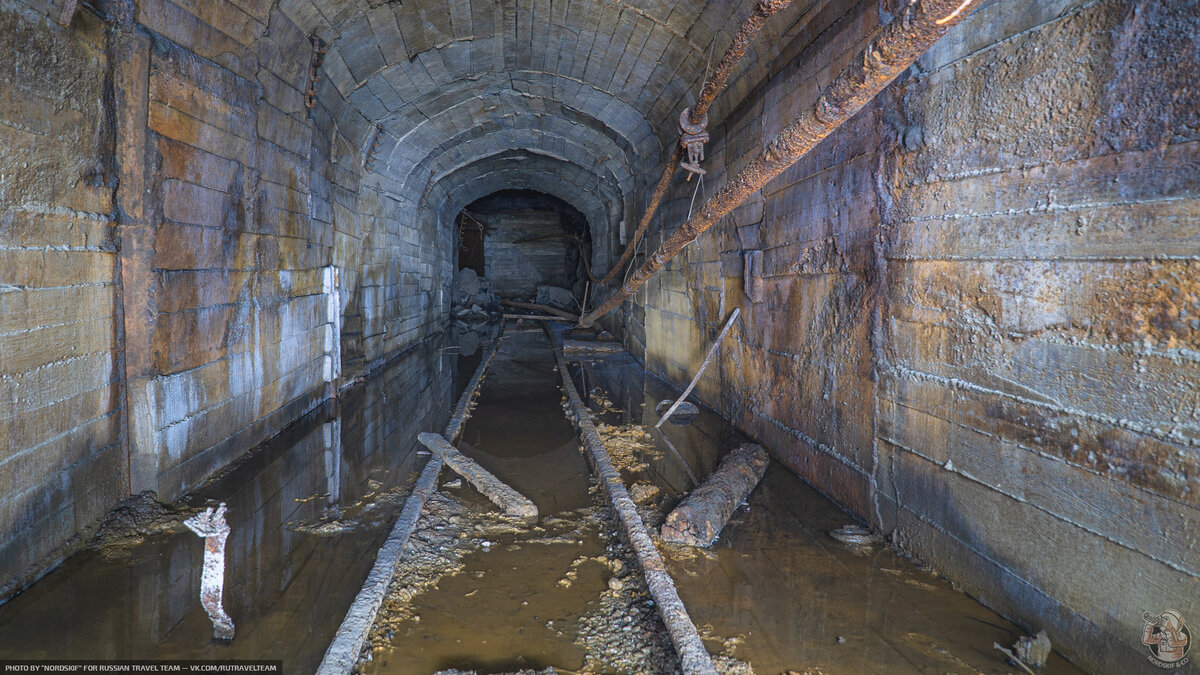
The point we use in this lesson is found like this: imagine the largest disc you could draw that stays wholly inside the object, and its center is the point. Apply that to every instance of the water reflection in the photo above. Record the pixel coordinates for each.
(789, 596)
(287, 586)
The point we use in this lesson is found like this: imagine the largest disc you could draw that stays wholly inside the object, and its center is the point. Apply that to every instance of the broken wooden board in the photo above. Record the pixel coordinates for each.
(591, 347)
(509, 500)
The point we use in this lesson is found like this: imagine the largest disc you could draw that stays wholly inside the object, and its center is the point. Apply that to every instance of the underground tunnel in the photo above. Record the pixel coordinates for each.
(598, 336)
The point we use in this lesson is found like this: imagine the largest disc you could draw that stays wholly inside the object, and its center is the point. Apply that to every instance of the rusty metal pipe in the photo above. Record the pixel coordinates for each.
(698, 113)
(890, 53)
(737, 49)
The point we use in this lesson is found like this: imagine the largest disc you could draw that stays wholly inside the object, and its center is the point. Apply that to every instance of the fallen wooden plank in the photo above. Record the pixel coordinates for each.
(591, 347)
(509, 500)
(541, 308)
(536, 317)
(699, 518)
(693, 657)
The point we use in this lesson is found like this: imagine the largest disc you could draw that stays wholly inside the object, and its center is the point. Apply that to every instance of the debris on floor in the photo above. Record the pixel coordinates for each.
(374, 509)
(630, 447)
(699, 519)
(1028, 652)
(134, 519)
(523, 671)
(557, 297)
(855, 535)
(684, 414)
(643, 493)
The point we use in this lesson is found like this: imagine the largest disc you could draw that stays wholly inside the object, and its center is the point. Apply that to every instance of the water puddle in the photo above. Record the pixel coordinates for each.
(784, 595)
(479, 594)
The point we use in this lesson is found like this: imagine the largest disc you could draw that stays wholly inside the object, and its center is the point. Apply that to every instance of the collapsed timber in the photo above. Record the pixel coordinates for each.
(896, 47)
(693, 656)
(348, 642)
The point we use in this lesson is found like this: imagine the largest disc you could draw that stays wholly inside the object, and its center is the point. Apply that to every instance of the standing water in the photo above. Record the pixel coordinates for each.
(476, 591)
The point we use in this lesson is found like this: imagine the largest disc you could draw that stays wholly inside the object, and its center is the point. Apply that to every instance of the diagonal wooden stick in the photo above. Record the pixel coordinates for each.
(708, 359)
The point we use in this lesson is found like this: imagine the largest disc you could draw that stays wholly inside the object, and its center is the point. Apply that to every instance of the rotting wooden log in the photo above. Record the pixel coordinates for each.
(342, 654)
(700, 517)
(693, 657)
(541, 308)
(703, 366)
(885, 57)
(509, 500)
(535, 317)
(697, 114)
(592, 347)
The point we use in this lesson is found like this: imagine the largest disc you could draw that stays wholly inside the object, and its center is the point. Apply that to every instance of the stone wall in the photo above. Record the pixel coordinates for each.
(193, 254)
(978, 325)
(59, 307)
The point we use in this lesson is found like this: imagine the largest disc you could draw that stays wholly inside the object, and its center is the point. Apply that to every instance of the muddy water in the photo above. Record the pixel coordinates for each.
(310, 508)
(307, 510)
(514, 598)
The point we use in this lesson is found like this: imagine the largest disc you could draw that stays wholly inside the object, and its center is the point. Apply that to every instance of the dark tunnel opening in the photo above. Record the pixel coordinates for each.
(521, 241)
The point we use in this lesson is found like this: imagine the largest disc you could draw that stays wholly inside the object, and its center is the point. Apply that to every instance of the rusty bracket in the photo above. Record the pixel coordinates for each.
(373, 147)
(693, 137)
(212, 526)
(314, 68)
(752, 275)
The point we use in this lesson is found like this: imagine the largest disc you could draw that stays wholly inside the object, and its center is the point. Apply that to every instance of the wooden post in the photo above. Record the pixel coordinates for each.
(212, 527)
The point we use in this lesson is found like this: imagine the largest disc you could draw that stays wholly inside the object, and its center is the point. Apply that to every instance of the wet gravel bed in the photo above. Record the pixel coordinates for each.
(619, 631)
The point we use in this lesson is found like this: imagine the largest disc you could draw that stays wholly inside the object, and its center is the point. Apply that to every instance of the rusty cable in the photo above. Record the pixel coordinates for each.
(893, 49)
(698, 115)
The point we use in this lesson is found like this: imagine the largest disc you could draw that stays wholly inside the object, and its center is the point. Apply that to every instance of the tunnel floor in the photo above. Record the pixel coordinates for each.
(776, 594)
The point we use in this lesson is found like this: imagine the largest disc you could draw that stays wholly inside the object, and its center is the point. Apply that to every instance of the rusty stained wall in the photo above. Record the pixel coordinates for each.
(981, 316)
(59, 391)
(148, 350)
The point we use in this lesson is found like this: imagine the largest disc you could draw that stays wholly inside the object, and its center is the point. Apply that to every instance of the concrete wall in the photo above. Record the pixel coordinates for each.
(171, 211)
(979, 318)
(517, 267)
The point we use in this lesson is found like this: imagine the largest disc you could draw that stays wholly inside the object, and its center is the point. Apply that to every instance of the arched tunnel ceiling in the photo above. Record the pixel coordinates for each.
(562, 96)
(524, 170)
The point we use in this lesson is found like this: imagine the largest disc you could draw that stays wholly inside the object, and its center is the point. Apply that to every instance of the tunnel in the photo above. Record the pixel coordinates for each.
(600, 336)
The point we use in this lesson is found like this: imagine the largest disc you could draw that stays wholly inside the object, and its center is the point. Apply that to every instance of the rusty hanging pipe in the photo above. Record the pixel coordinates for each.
(888, 54)
(698, 114)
